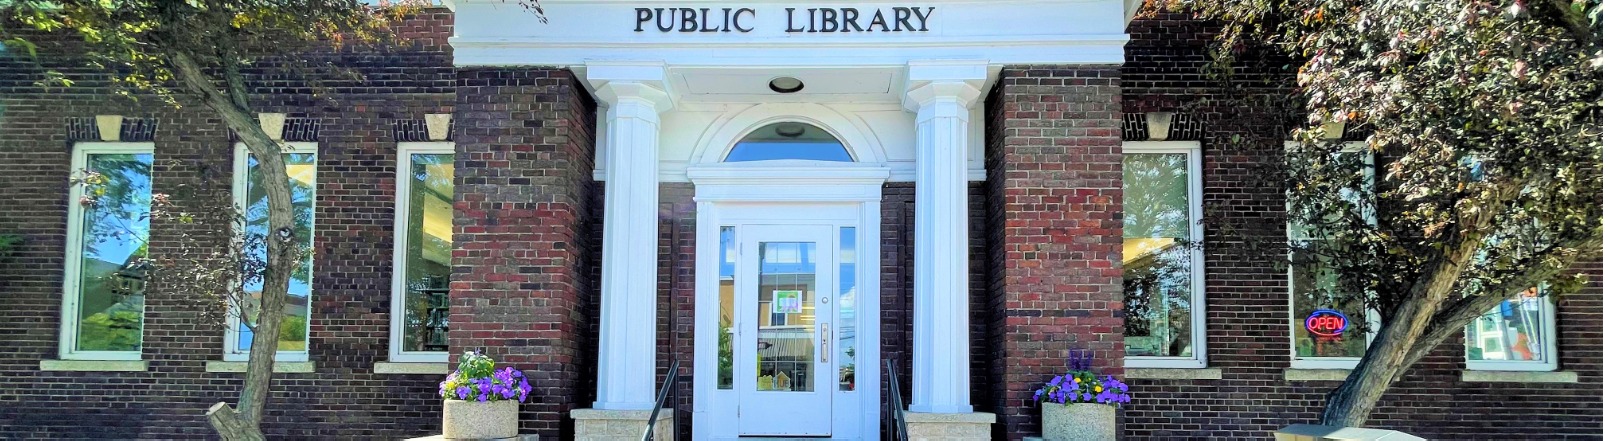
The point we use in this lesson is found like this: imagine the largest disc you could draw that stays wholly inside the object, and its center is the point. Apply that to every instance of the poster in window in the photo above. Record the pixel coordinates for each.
(787, 302)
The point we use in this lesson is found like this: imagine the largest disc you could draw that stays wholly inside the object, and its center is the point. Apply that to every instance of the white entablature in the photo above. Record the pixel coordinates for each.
(766, 33)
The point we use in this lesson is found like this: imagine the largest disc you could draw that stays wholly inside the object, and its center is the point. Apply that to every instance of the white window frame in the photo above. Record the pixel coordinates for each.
(231, 338)
(75, 249)
(1195, 208)
(1551, 344)
(1372, 319)
(398, 288)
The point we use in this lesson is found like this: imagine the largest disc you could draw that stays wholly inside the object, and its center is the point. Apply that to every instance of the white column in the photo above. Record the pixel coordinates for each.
(941, 101)
(629, 244)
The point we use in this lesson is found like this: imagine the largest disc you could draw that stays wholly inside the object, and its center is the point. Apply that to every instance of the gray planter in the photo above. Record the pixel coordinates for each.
(476, 420)
(1078, 422)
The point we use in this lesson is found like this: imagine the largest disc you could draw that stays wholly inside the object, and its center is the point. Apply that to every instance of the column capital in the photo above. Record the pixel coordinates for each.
(616, 82)
(958, 81)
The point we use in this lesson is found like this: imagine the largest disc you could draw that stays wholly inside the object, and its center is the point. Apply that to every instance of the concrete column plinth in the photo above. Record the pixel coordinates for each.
(971, 426)
(620, 425)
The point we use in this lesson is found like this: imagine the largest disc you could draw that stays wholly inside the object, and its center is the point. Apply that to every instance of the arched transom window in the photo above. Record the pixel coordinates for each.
(789, 140)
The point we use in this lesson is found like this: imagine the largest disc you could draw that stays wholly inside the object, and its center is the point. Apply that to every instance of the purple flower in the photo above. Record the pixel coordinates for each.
(462, 392)
(482, 397)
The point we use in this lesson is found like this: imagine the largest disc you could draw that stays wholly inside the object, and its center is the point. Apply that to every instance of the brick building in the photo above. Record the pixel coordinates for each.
(964, 190)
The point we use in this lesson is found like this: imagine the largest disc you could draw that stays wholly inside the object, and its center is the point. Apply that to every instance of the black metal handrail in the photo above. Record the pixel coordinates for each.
(671, 382)
(896, 421)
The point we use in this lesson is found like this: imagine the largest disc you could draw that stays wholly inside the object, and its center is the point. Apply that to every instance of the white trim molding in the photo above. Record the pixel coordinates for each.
(74, 255)
(1195, 209)
(231, 350)
(398, 282)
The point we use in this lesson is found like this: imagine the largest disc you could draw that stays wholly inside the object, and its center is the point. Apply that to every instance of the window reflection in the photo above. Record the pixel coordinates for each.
(1516, 330)
(427, 273)
(302, 168)
(727, 307)
(115, 230)
(846, 305)
(1157, 258)
(786, 292)
(789, 140)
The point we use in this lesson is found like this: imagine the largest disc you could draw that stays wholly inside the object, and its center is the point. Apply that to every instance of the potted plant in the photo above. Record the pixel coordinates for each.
(481, 402)
(1080, 405)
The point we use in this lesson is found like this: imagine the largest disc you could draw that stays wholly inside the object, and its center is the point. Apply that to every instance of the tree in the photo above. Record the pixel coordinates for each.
(1483, 119)
(196, 51)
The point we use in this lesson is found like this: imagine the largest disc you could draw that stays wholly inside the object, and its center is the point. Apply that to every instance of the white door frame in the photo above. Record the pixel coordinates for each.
(762, 192)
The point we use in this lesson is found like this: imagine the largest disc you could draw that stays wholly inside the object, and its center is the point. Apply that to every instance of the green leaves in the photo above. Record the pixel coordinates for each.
(1484, 119)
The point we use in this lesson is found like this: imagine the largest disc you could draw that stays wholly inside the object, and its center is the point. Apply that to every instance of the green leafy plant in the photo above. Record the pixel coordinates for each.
(9, 244)
(477, 379)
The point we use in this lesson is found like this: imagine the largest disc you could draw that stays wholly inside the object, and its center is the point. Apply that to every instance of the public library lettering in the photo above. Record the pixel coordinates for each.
(805, 20)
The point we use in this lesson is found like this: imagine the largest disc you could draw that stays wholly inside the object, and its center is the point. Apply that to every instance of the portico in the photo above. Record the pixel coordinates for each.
(789, 121)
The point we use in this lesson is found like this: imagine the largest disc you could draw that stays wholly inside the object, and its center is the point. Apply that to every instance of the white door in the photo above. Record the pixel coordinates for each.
(784, 366)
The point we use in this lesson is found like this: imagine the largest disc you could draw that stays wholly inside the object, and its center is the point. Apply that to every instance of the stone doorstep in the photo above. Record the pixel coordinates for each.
(949, 426)
(444, 438)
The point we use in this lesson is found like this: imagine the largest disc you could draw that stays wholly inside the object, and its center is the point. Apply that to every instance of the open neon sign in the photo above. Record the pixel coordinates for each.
(1327, 323)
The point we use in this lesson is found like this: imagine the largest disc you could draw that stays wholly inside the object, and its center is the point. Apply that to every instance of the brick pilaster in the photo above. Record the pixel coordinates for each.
(522, 284)
(1054, 230)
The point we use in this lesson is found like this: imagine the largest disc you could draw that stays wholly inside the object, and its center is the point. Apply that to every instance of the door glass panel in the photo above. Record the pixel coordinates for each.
(786, 290)
(727, 306)
(846, 324)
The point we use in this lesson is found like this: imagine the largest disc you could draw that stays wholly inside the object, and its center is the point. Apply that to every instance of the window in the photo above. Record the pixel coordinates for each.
(1316, 296)
(108, 224)
(300, 161)
(1163, 262)
(789, 140)
(420, 306)
(1517, 335)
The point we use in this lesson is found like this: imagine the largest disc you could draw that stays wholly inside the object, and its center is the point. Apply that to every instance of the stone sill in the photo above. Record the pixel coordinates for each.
(280, 367)
(1173, 374)
(1518, 376)
(94, 365)
(400, 368)
(1315, 374)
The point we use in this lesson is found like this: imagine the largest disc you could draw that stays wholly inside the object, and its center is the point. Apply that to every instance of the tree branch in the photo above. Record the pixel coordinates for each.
(1453, 319)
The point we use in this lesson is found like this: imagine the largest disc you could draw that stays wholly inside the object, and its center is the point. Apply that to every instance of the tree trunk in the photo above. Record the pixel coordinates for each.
(1387, 358)
(245, 422)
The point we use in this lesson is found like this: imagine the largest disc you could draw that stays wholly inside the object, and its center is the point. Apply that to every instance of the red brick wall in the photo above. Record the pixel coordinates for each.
(1247, 308)
(523, 250)
(353, 241)
(1053, 230)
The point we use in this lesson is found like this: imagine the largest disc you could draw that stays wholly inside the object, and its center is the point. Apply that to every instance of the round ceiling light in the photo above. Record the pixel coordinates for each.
(785, 85)
(789, 130)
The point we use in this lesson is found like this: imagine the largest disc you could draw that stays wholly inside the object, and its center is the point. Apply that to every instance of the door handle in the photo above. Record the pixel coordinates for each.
(824, 343)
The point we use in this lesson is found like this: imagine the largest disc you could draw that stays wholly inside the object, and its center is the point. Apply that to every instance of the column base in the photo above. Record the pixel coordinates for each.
(950, 426)
(620, 425)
